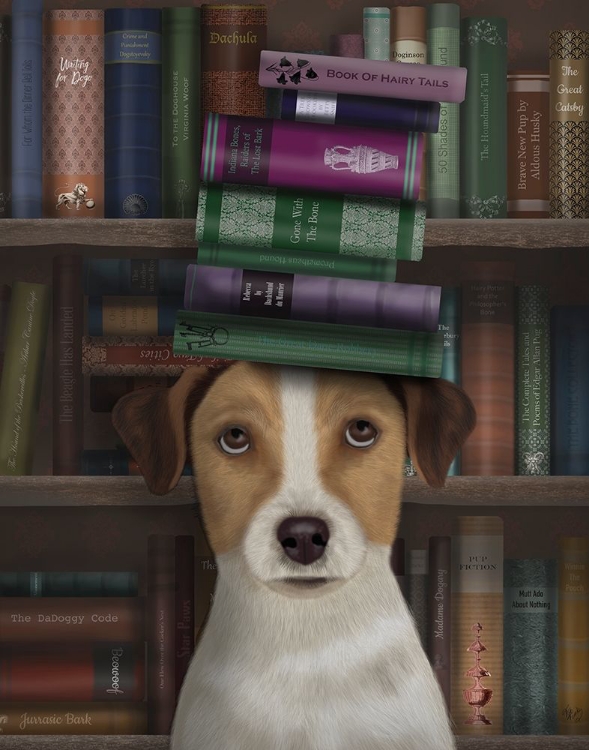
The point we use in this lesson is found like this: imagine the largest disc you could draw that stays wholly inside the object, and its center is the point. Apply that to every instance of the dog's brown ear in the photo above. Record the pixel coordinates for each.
(440, 417)
(153, 424)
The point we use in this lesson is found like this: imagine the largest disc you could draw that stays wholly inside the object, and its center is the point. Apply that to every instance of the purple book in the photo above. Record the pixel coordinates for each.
(318, 299)
(350, 75)
(363, 111)
(308, 155)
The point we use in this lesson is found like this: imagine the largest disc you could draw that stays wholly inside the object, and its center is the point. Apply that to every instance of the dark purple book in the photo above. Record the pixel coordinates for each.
(363, 111)
(319, 299)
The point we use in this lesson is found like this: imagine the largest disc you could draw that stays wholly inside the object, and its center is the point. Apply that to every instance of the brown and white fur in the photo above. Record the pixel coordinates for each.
(319, 656)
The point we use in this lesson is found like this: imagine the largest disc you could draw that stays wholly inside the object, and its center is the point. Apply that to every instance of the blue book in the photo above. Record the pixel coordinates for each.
(132, 113)
(139, 277)
(449, 325)
(569, 336)
(27, 124)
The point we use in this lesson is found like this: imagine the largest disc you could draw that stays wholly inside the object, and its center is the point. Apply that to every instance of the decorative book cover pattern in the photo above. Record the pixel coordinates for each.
(73, 114)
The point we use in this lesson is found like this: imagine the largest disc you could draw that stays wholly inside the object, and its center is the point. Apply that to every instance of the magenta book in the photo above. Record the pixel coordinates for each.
(305, 155)
(350, 75)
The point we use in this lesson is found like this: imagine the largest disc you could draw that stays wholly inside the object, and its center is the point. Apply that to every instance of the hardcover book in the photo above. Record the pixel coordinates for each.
(73, 114)
(312, 156)
(132, 113)
(132, 316)
(134, 276)
(5, 122)
(86, 584)
(417, 591)
(439, 612)
(450, 323)
(343, 75)
(74, 718)
(376, 29)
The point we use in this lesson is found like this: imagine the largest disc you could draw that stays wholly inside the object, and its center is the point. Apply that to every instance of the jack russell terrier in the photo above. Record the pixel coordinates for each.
(309, 644)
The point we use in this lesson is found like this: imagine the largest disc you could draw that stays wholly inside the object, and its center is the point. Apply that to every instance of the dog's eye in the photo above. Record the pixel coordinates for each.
(234, 441)
(361, 434)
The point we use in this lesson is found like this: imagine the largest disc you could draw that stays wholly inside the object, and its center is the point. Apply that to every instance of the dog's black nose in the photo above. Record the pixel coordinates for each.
(303, 538)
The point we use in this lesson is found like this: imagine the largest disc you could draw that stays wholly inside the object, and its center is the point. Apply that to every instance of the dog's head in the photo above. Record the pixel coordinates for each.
(297, 470)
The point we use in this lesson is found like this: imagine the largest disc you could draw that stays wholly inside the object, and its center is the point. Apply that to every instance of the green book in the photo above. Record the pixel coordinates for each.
(532, 405)
(297, 261)
(483, 119)
(181, 136)
(20, 387)
(326, 223)
(294, 342)
(443, 147)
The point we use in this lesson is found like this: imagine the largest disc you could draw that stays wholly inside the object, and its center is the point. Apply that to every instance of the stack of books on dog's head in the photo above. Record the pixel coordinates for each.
(301, 221)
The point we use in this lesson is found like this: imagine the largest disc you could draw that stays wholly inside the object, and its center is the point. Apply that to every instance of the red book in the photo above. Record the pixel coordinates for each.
(184, 606)
(101, 672)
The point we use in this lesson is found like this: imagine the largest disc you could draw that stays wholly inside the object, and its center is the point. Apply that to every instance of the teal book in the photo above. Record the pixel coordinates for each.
(483, 119)
(181, 136)
(449, 326)
(530, 645)
(532, 387)
(443, 147)
(295, 342)
(92, 584)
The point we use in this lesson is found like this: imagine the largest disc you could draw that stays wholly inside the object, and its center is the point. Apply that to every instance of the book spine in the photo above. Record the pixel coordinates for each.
(132, 316)
(68, 384)
(361, 111)
(134, 276)
(161, 654)
(73, 114)
(132, 113)
(320, 299)
(103, 672)
(307, 261)
(184, 641)
(483, 119)
(477, 618)
(71, 620)
(397, 561)
(573, 636)
(141, 356)
(569, 124)
(114, 463)
(5, 122)
(22, 373)
(332, 158)
(205, 580)
(181, 116)
(233, 37)
(528, 109)
(93, 718)
(487, 367)
(443, 146)
(83, 584)
(418, 567)
(346, 45)
(285, 219)
(532, 403)
(439, 611)
(569, 401)
(27, 126)
(450, 325)
(376, 25)
(5, 296)
(105, 392)
(409, 45)
(338, 75)
(530, 635)
(307, 344)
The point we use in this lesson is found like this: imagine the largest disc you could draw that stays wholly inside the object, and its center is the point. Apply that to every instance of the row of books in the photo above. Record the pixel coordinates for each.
(97, 653)
(515, 628)
(78, 144)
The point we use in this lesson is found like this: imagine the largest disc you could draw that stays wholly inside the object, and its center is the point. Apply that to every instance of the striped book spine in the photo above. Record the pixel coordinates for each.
(290, 342)
(573, 636)
(27, 111)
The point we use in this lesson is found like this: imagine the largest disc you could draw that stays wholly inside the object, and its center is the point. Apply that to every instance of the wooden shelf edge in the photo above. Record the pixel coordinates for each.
(80, 742)
(178, 233)
(132, 491)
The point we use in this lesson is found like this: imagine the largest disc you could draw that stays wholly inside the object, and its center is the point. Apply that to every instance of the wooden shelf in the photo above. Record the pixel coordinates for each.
(500, 742)
(467, 491)
(517, 233)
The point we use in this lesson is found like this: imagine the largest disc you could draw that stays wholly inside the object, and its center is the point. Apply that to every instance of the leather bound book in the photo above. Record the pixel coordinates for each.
(232, 38)
(487, 367)
(5, 122)
(73, 114)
